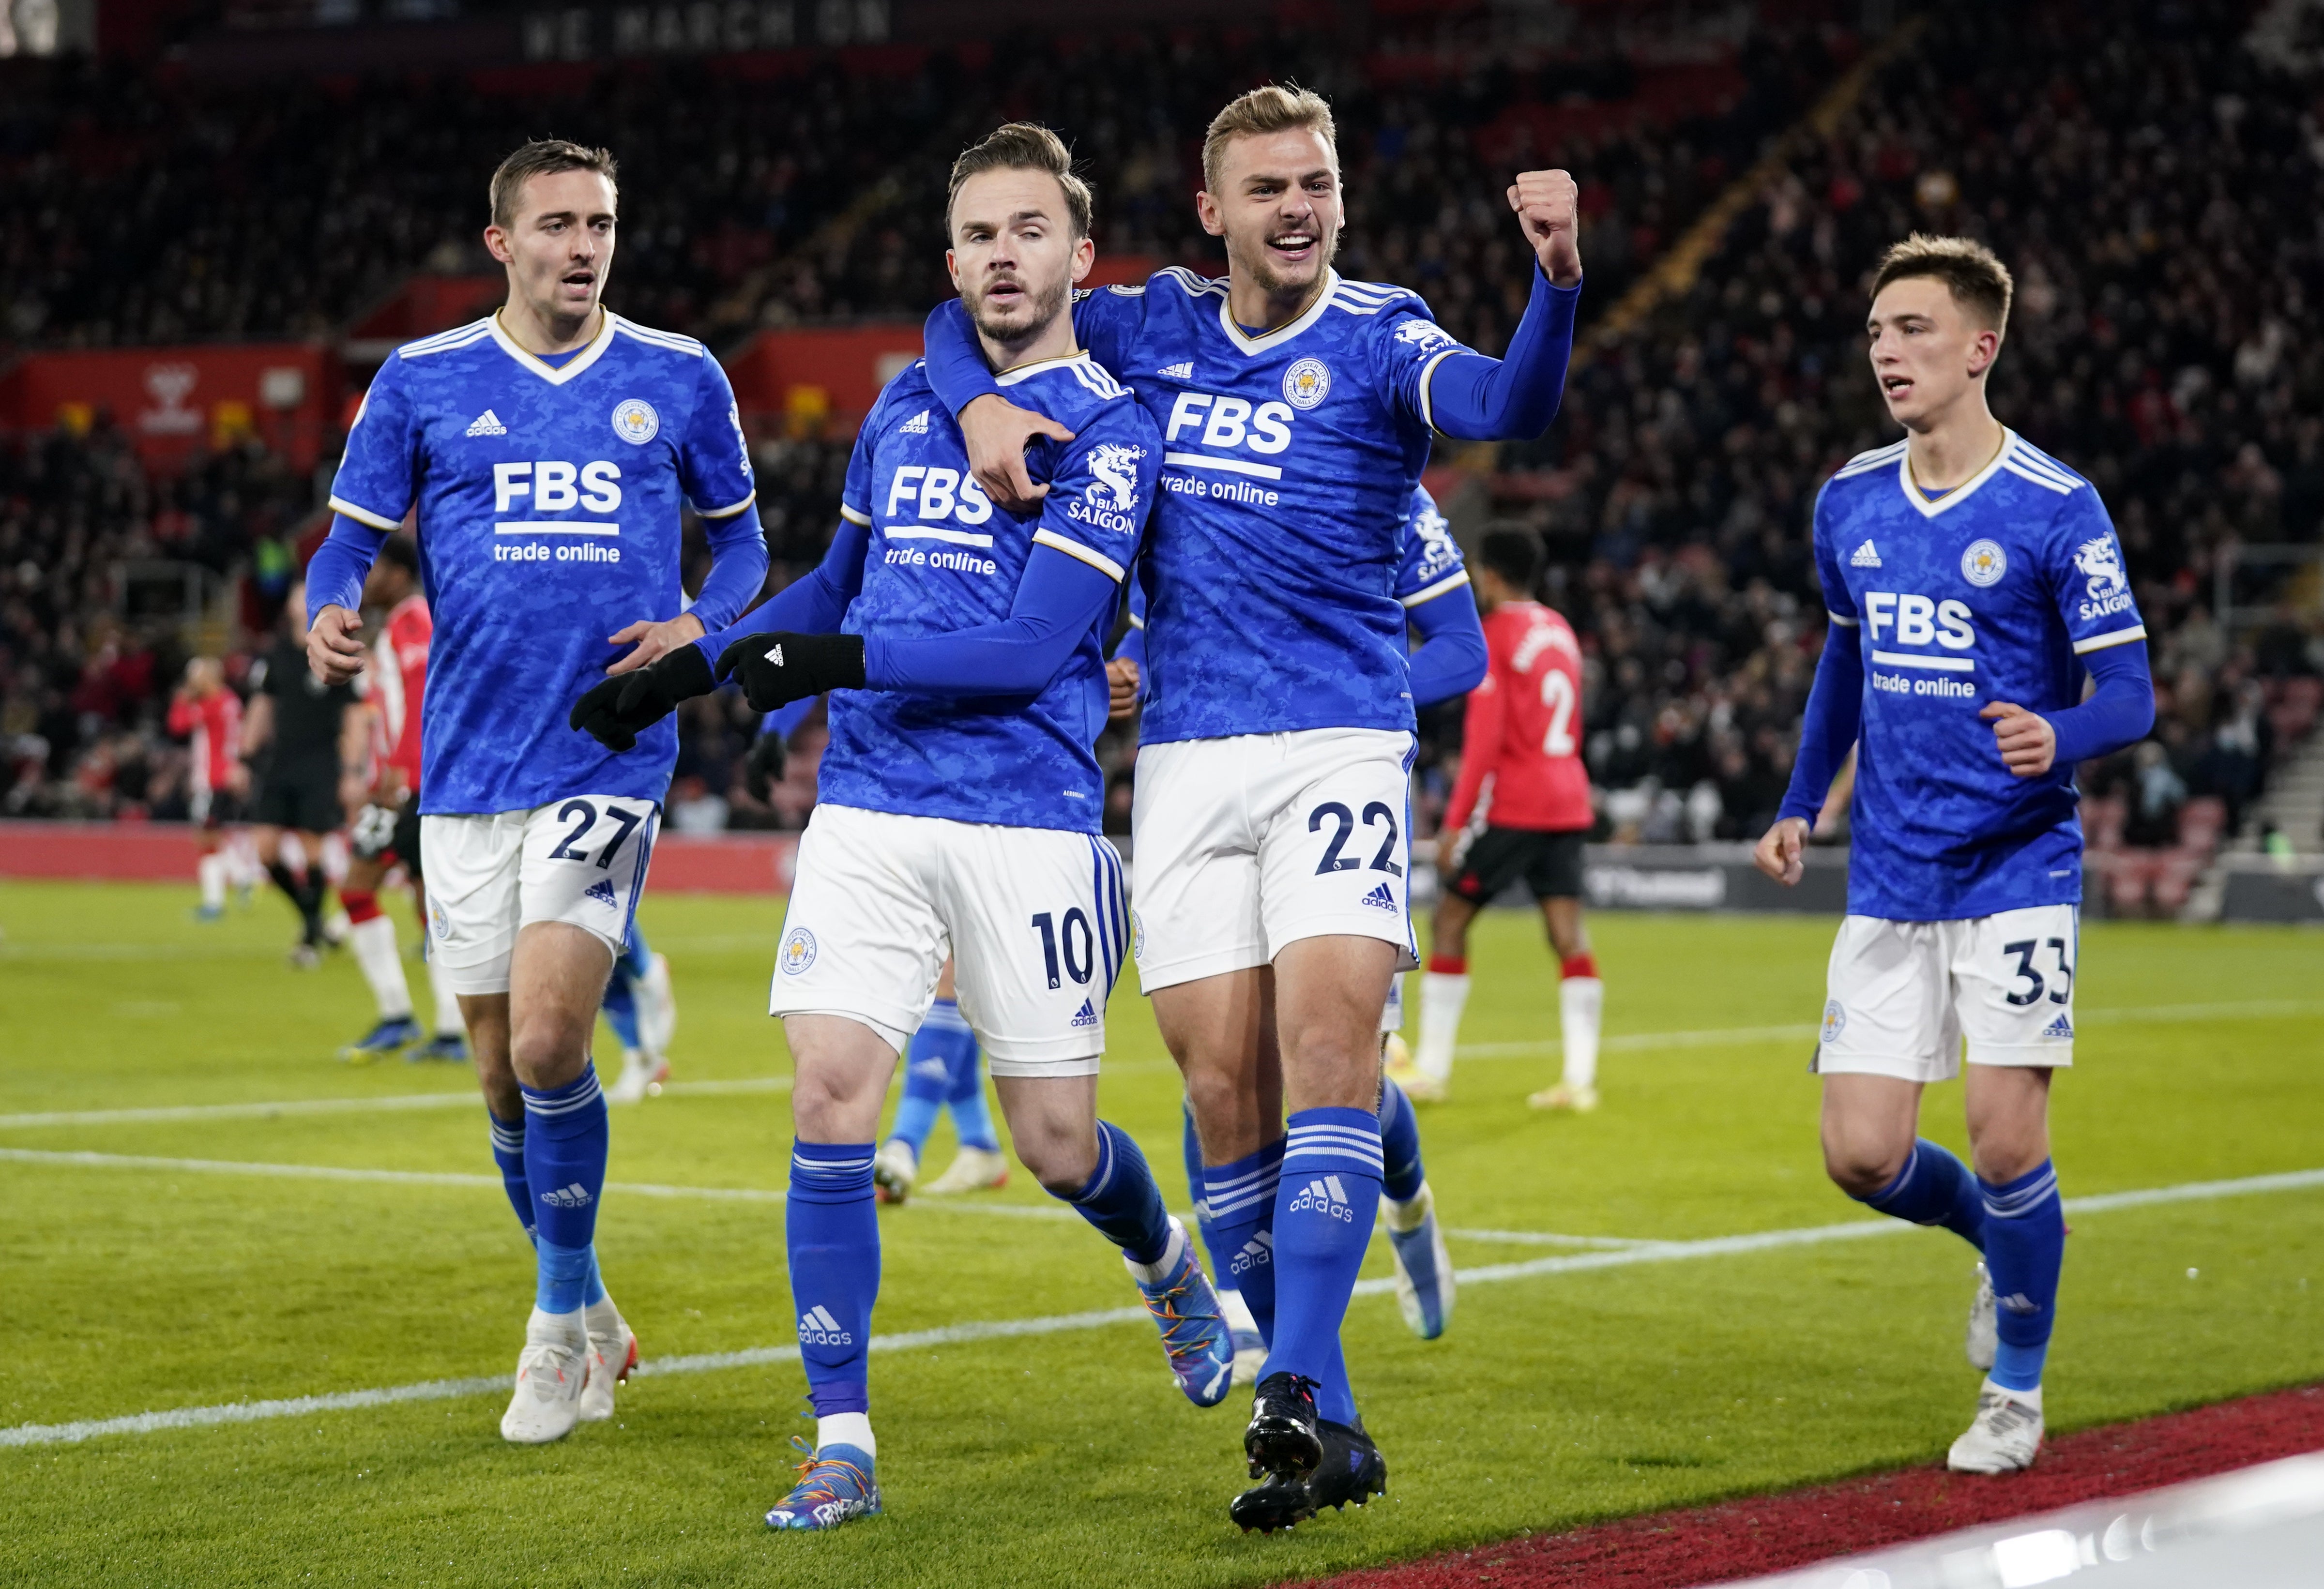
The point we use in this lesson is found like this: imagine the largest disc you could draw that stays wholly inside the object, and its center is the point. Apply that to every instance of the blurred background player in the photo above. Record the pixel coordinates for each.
(1520, 810)
(304, 739)
(942, 1071)
(1975, 587)
(386, 832)
(517, 440)
(208, 715)
(641, 1008)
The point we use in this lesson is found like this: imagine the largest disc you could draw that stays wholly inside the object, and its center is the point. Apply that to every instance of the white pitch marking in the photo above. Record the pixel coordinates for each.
(186, 1418)
(1623, 1042)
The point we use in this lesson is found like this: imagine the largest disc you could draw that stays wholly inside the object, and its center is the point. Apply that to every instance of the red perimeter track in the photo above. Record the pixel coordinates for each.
(1774, 1533)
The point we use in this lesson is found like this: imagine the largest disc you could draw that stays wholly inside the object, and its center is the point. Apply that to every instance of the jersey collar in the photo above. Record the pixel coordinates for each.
(1254, 345)
(1959, 493)
(558, 375)
(1014, 373)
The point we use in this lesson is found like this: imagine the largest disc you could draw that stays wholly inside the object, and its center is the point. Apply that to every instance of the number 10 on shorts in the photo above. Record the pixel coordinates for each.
(1071, 943)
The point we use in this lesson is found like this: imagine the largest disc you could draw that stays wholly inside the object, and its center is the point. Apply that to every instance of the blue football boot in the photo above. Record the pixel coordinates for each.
(834, 1486)
(1423, 1269)
(392, 1035)
(1194, 1332)
(451, 1047)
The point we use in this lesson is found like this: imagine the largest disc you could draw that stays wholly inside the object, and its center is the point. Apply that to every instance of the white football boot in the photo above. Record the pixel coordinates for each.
(1983, 1342)
(551, 1373)
(2007, 1437)
(894, 1170)
(612, 1354)
(971, 1170)
(643, 1070)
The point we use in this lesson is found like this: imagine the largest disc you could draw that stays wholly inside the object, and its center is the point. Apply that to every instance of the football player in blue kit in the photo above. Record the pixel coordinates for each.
(549, 451)
(1448, 662)
(1975, 585)
(1270, 817)
(959, 800)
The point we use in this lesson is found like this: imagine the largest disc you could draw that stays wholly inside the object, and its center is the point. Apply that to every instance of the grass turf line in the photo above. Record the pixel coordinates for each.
(1577, 1397)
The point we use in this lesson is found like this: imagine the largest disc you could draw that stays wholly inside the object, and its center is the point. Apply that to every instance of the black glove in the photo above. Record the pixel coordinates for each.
(777, 669)
(764, 768)
(615, 711)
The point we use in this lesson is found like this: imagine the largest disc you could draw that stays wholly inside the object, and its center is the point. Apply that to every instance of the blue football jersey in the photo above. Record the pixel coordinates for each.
(1988, 593)
(1288, 460)
(548, 505)
(943, 557)
(1431, 563)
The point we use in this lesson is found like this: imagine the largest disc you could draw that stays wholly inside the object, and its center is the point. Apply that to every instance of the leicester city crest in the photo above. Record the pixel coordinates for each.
(798, 951)
(1835, 1020)
(635, 421)
(1984, 562)
(1306, 383)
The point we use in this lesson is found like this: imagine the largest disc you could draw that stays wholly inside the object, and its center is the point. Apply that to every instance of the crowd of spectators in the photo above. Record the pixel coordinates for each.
(2146, 183)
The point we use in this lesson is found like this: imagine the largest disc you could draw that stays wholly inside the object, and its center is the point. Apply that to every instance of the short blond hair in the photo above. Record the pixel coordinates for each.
(1974, 274)
(1272, 108)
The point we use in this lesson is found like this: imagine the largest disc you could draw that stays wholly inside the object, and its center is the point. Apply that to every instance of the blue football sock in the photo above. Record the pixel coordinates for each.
(621, 1007)
(635, 958)
(1120, 1198)
(972, 1116)
(1335, 1399)
(1323, 1212)
(927, 1075)
(507, 1157)
(1934, 1188)
(565, 1146)
(2024, 1247)
(833, 1238)
(1399, 1129)
(594, 1292)
(1241, 1198)
(1190, 1147)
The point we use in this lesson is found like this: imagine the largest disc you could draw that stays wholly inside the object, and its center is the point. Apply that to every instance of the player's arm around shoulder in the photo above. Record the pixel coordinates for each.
(1102, 488)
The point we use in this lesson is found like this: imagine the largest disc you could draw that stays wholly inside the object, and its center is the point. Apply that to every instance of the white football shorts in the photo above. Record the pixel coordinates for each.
(1032, 918)
(1903, 998)
(1248, 843)
(581, 860)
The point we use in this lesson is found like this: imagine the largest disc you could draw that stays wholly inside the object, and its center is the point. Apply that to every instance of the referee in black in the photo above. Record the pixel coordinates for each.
(297, 739)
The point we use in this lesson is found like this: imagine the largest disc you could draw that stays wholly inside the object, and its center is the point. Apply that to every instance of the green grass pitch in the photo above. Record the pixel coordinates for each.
(1067, 1458)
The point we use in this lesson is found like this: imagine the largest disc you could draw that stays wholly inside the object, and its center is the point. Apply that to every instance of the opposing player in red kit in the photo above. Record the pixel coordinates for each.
(208, 715)
(1520, 810)
(387, 829)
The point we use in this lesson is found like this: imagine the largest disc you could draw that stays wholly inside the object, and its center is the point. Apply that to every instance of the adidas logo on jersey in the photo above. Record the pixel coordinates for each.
(1259, 1249)
(918, 425)
(2061, 1028)
(818, 1327)
(1184, 372)
(1865, 557)
(1381, 897)
(487, 424)
(1084, 1017)
(1326, 1197)
(576, 1196)
(602, 891)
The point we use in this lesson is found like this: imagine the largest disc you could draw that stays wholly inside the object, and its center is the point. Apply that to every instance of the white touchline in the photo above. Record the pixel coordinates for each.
(1620, 1043)
(187, 1417)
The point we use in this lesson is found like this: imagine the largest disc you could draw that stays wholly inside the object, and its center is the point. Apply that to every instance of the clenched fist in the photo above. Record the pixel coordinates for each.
(1548, 207)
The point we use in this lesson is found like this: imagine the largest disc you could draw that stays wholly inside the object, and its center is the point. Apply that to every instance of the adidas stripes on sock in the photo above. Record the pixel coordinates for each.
(832, 1237)
(2024, 1249)
(1121, 1200)
(508, 1158)
(1242, 1198)
(1324, 1205)
(1934, 1188)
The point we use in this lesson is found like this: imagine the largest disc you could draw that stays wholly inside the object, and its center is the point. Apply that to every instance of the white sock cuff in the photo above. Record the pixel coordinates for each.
(846, 1429)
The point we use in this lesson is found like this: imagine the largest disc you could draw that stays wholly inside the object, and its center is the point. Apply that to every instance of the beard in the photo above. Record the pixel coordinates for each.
(1259, 265)
(1030, 317)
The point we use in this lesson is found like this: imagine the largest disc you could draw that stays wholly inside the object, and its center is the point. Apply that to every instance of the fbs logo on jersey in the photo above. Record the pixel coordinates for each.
(2060, 1029)
(1380, 899)
(635, 421)
(1835, 1020)
(576, 1196)
(1306, 383)
(818, 1327)
(797, 952)
(1865, 558)
(602, 891)
(918, 425)
(1259, 1250)
(1184, 372)
(1084, 1017)
(1326, 1197)
(486, 424)
(1984, 562)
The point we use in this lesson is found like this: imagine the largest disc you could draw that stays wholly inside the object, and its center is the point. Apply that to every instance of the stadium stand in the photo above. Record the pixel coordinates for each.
(2165, 343)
